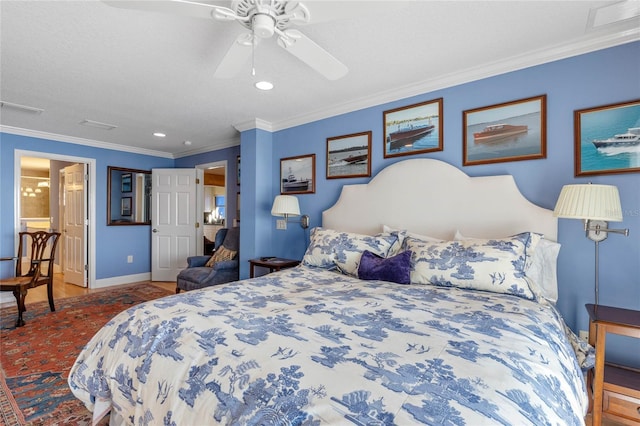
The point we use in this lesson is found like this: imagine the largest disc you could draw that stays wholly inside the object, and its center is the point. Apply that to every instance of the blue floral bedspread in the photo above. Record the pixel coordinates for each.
(306, 346)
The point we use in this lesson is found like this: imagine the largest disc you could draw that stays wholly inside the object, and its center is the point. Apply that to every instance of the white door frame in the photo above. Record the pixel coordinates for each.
(91, 194)
(221, 163)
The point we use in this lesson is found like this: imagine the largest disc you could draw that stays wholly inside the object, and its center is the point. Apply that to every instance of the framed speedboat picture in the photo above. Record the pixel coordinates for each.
(349, 156)
(607, 139)
(413, 129)
(509, 131)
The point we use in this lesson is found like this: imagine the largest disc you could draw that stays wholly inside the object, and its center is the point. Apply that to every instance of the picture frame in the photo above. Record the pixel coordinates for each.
(413, 129)
(238, 170)
(126, 183)
(509, 131)
(298, 175)
(349, 156)
(607, 139)
(125, 206)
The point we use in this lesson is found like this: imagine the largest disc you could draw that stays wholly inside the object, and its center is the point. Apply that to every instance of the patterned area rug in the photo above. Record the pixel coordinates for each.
(36, 359)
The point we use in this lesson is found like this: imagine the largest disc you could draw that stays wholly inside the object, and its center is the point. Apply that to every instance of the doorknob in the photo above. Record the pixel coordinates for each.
(154, 230)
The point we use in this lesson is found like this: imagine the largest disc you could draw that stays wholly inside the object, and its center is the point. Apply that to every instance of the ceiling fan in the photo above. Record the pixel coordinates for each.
(263, 19)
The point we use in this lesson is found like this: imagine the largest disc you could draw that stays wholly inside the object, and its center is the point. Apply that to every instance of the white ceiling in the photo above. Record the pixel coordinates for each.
(146, 71)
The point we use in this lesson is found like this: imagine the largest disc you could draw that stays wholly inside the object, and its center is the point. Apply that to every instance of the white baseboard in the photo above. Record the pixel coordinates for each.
(123, 279)
(6, 298)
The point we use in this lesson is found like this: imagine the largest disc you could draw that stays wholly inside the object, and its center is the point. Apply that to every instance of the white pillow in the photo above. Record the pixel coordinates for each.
(389, 229)
(543, 269)
(495, 265)
(330, 249)
(402, 234)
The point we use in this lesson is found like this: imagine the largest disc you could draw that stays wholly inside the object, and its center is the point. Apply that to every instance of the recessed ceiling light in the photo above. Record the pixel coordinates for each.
(187, 143)
(159, 135)
(264, 85)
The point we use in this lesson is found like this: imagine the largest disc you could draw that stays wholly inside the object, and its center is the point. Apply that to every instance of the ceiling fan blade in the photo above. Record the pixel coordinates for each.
(236, 57)
(305, 49)
(176, 7)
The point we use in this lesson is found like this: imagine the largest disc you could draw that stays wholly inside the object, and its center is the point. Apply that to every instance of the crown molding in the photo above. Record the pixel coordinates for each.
(525, 60)
(228, 143)
(82, 141)
(256, 123)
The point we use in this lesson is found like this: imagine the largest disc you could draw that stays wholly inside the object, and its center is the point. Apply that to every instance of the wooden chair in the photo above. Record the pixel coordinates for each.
(40, 248)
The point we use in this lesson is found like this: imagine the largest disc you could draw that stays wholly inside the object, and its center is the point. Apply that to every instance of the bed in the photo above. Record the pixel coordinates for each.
(427, 296)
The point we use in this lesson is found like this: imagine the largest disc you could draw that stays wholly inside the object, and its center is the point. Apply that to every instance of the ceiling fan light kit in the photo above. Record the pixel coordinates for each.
(263, 18)
(263, 25)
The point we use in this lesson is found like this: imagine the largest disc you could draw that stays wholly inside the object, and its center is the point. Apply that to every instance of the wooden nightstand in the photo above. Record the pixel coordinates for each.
(616, 389)
(273, 264)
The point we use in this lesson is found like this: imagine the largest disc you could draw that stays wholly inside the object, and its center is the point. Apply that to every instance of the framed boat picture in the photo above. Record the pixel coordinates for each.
(413, 129)
(510, 131)
(607, 139)
(349, 156)
(298, 174)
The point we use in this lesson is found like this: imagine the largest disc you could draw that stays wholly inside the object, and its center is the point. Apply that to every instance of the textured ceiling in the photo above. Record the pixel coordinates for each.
(146, 71)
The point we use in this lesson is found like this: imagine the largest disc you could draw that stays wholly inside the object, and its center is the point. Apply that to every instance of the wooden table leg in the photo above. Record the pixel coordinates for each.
(598, 380)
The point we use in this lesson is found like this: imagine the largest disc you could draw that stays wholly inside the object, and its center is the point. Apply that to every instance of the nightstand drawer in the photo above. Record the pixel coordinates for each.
(621, 406)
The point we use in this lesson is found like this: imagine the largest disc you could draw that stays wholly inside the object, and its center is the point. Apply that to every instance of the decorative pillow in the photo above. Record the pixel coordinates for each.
(389, 229)
(496, 265)
(543, 270)
(330, 249)
(395, 269)
(221, 255)
(320, 252)
(402, 234)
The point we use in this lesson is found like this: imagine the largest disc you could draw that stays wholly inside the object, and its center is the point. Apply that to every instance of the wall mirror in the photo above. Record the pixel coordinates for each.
(128, 196)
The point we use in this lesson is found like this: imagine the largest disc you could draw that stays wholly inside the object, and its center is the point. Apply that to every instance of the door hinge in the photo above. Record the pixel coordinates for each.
(197, 225)
(86, 178)
(86, 267)
(197, 181)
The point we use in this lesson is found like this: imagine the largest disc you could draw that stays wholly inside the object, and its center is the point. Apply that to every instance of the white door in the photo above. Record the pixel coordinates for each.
(75, 225)
(175, 222)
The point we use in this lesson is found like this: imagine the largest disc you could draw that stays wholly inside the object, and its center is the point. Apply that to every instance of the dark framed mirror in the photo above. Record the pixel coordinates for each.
(128, 196)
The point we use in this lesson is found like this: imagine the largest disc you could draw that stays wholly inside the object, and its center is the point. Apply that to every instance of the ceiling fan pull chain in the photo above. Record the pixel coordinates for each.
(253, 52)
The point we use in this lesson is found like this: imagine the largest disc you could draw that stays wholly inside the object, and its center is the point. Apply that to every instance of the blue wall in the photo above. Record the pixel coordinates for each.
(230, 156)
(600, 78)
(110, 259)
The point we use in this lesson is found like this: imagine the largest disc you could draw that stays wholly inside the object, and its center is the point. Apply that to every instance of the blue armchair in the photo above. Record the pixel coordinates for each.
(198, 275)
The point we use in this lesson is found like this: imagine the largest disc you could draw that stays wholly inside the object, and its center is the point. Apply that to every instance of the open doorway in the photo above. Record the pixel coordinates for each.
(215, 198)
(57, 168)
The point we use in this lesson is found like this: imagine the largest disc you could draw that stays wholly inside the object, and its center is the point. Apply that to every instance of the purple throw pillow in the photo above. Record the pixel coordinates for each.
(395, 269)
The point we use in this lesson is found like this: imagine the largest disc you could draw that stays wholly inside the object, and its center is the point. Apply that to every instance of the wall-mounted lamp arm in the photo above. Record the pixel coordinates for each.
(597, 230)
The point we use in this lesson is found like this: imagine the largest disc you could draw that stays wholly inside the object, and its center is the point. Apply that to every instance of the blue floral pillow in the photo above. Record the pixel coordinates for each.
(496, 265)
(330, 249)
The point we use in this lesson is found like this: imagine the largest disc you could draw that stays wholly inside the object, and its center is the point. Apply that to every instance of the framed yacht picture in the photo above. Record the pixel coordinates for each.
(607, 139)
(413, 129)
(298, 175)
(510, 131)
(349, 156)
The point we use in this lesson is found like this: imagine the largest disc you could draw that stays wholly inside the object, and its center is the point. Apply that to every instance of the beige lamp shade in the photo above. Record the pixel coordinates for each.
(285, 205)
(589, 201)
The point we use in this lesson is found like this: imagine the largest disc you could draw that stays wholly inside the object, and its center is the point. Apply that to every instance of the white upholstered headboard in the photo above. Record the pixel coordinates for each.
(431, 197)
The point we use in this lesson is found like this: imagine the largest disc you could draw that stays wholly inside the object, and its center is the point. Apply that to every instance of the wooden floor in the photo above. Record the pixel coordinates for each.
(62, 290)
